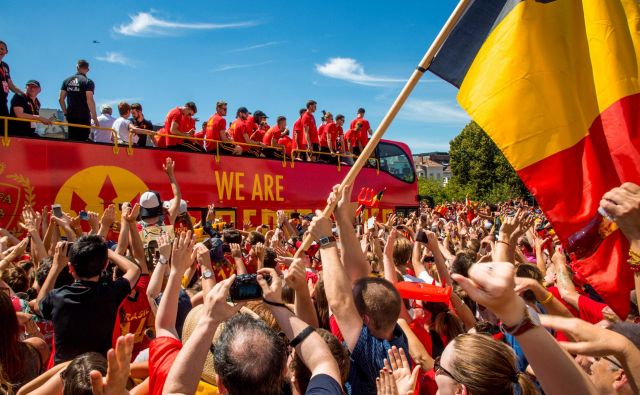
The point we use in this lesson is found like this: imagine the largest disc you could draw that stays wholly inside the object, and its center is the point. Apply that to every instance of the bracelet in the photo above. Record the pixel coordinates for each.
(301, 336)
(274, 303)
(547, 299)
(503, 242)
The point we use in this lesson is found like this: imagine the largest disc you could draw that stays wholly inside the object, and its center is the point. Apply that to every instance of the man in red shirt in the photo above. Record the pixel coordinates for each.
(364, 131)
(179, 123)
(271, 138)
(286, 142)
(340, 145)
(215, 129)
(310, 131)
(298, 138)
(261, 126)
(329, 137)
(352, 142)
(240, 134)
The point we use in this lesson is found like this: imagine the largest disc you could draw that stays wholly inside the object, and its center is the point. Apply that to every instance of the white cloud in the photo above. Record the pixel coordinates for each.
(145, 24)
(257, 46)
(433, 111)
(117, 58)
(348, 69)
(239, 66)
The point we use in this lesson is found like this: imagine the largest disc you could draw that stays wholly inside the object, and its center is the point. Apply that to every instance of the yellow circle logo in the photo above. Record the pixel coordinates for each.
(95, 188)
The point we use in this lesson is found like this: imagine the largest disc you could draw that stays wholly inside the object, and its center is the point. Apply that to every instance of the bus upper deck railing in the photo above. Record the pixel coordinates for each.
(6, 141)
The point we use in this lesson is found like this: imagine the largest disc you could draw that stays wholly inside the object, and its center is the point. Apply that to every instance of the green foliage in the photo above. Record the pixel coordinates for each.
(478, 168)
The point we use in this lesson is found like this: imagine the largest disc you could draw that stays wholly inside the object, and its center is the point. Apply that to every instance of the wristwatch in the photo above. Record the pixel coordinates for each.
(162, 260)
(325, 241)
(529, 321)
(207, 274)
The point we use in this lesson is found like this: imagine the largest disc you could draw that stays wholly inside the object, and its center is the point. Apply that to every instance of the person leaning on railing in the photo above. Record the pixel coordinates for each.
(179, 124)
(26, 106)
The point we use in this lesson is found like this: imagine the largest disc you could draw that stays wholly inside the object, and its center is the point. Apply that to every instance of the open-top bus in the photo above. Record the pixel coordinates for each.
(87, 176)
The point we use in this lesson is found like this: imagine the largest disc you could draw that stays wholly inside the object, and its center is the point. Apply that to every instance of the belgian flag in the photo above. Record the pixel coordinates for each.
(556, 85)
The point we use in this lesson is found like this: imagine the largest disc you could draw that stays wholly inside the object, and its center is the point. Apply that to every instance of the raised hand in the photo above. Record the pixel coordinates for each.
(133, 212)
(236, 251)
(398, 364)
(169, 166)
(117, 371)
(320, 226)
(623, 204)
(215, 302)
(211, 213)
(296, 276)
(108, 216)
(181, 252)
(271, 292)
(164, 246)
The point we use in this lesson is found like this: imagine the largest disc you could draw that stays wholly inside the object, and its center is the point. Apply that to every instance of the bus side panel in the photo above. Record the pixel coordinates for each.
(86, 176)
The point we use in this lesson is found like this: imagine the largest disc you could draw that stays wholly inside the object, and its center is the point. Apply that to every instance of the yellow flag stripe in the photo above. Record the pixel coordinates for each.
(548, 70)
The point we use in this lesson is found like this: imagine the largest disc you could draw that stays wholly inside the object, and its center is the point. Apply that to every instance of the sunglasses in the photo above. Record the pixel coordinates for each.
(610, 360)
(439, 370)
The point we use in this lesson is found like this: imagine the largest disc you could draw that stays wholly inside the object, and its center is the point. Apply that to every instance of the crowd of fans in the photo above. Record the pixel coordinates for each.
(88, 306)
(249, 134)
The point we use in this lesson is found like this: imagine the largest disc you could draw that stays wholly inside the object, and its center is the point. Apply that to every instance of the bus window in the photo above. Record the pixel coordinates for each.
(395, 161)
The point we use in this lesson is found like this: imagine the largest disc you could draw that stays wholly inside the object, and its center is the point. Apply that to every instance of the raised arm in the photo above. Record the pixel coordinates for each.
(623, 203)
(60, 260)
(185, 372)
(131, 270)
(313, 350)
(180, 261)
(296, 279)
(169, 167)
(337, 284)
(354, 260)
(157, 277)
(492, 285)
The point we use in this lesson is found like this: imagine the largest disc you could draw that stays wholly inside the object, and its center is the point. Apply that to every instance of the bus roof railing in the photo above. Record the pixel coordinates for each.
(6, 141)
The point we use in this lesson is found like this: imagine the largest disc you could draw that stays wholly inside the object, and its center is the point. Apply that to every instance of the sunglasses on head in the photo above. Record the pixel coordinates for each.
(439, 370)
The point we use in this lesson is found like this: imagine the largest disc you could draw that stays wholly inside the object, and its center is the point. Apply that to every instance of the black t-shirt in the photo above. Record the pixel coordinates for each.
(322, 384)
(84, 315)
(5, 76)
(77, 87)
(144, 124)
(28, 106)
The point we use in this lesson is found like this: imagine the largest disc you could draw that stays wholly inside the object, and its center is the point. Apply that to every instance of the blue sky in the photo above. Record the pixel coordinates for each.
(266, 55)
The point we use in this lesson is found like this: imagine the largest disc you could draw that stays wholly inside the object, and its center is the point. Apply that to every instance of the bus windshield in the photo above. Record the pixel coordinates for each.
(395, 161)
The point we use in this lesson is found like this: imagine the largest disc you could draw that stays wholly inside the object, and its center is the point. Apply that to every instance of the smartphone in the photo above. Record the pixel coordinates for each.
(422, 237)
(57, 210)
(69, 245)
(207, 243)
(83, 216)
(246, 287)
(371, 223)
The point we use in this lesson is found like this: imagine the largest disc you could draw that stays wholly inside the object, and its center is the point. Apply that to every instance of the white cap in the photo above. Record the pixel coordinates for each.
(183, 205)
(150, 204)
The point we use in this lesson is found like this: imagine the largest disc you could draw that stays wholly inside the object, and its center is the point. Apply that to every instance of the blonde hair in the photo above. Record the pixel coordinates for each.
(487, 367)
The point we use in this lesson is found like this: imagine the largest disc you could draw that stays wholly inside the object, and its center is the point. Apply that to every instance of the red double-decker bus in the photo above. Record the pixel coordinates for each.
(86, 176)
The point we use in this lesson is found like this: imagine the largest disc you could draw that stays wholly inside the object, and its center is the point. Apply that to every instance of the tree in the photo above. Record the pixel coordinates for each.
(480, 168)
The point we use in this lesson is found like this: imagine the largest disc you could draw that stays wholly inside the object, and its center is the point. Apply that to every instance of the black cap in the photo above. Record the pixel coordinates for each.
(33, 82)
(259, 114)
(242, 110)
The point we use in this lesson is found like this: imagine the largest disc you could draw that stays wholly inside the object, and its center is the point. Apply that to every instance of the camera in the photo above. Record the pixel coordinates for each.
(246, 287)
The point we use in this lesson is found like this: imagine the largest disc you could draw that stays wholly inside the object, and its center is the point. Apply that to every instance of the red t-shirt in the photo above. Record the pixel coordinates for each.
(331, 131)
(273, 133)
(259, 133)
(363, 134)
(135, 317)
(298, 132)
(309, 121)
(335, 329)
(185, 124)
(216, 125)
(321, 132)
(252, 126)
(162, 352)
(590, 310)
(238, 130)
(288, 144)
(351, 137)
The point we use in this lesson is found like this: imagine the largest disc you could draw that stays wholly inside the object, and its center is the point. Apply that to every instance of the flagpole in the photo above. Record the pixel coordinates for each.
(393, 111)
